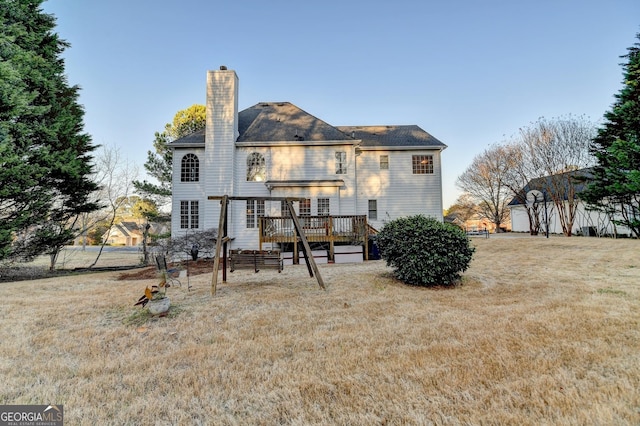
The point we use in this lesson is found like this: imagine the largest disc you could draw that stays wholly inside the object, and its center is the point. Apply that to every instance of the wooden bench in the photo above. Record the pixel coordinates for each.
(255, 259)
(484, 232)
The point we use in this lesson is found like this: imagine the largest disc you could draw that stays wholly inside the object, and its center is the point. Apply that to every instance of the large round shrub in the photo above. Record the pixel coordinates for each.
(424, 251)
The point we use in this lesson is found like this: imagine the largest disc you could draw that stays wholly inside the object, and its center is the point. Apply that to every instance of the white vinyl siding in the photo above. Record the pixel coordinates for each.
(192, 189)
(398, 192)
(299, 163)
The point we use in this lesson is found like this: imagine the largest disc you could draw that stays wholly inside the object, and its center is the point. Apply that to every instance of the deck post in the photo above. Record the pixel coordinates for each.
(366, 239)
(331, 238)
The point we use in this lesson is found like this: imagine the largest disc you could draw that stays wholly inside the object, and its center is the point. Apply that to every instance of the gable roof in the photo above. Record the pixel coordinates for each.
(392, 136)
(194, 139)
(130, 226)
(283, 121)
(126, 229)
(579, 178)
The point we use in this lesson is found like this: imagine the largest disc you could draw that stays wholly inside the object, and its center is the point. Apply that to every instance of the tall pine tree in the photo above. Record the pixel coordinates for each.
(45, 157)
(616, 185)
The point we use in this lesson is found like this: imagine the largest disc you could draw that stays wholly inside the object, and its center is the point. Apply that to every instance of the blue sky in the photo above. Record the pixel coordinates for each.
(471, 73)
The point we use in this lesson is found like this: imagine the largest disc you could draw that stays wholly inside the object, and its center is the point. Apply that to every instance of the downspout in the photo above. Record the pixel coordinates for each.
(357, 151)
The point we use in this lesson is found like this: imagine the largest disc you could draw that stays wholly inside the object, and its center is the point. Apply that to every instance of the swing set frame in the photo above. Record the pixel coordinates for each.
(223, 238)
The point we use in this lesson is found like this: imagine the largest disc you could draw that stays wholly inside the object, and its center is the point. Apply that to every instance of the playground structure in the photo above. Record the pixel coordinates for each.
(296, 234)
(296, 230)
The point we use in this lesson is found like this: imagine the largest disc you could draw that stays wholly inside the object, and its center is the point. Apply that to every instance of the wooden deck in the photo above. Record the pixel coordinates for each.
(317, 229)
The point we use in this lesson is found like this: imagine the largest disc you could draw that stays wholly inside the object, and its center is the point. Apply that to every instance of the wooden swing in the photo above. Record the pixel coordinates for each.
(258, 257)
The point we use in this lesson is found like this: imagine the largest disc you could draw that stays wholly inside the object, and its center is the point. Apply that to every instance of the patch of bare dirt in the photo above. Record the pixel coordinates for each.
(201, 266)
(26, 273)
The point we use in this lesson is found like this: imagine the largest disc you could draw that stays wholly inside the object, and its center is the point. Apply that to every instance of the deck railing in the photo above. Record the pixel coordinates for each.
(315, 228)
(349, 230)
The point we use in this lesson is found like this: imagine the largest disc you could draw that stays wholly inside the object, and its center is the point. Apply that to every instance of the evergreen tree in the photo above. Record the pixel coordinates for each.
(159, 163)
(616, 185)
(45, 158)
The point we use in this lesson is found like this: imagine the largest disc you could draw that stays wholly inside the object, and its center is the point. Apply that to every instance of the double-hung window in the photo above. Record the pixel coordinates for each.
(305, 207)
(341, 163)
(305, 212)
(323, 207)
(284, 209)
(373, 209)
(255, 210)
(384, 162)
(189, 215)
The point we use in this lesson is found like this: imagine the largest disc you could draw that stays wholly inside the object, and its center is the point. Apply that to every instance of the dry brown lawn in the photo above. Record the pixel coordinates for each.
(542, 332)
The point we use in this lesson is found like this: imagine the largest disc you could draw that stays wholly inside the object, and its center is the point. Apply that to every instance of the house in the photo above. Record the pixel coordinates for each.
(274, 150)
(130, 233)
(535, 196)
(123, 234)
(476, 223)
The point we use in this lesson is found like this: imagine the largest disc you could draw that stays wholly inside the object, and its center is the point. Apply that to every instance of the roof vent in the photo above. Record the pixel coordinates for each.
(223, 67)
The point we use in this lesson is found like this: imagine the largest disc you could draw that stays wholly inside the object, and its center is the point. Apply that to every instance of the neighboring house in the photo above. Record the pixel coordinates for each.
(479, 223)
(275, 149)
(476, 223)
(130, 233)
(455, 219)
(123, 234)
(587, 221)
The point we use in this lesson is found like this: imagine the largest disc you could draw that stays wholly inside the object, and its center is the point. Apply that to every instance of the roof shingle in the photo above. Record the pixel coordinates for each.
(390, 136)
(283, 121)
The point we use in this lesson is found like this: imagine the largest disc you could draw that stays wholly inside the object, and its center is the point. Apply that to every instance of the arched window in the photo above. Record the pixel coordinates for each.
(256, 168)
(190, 168)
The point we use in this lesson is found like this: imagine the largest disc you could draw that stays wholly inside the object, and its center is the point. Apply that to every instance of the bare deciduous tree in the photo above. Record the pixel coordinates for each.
(519, 174)
(556, 148)
(204, 242)
(484, 180)
(464, 208)
(115, 176)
